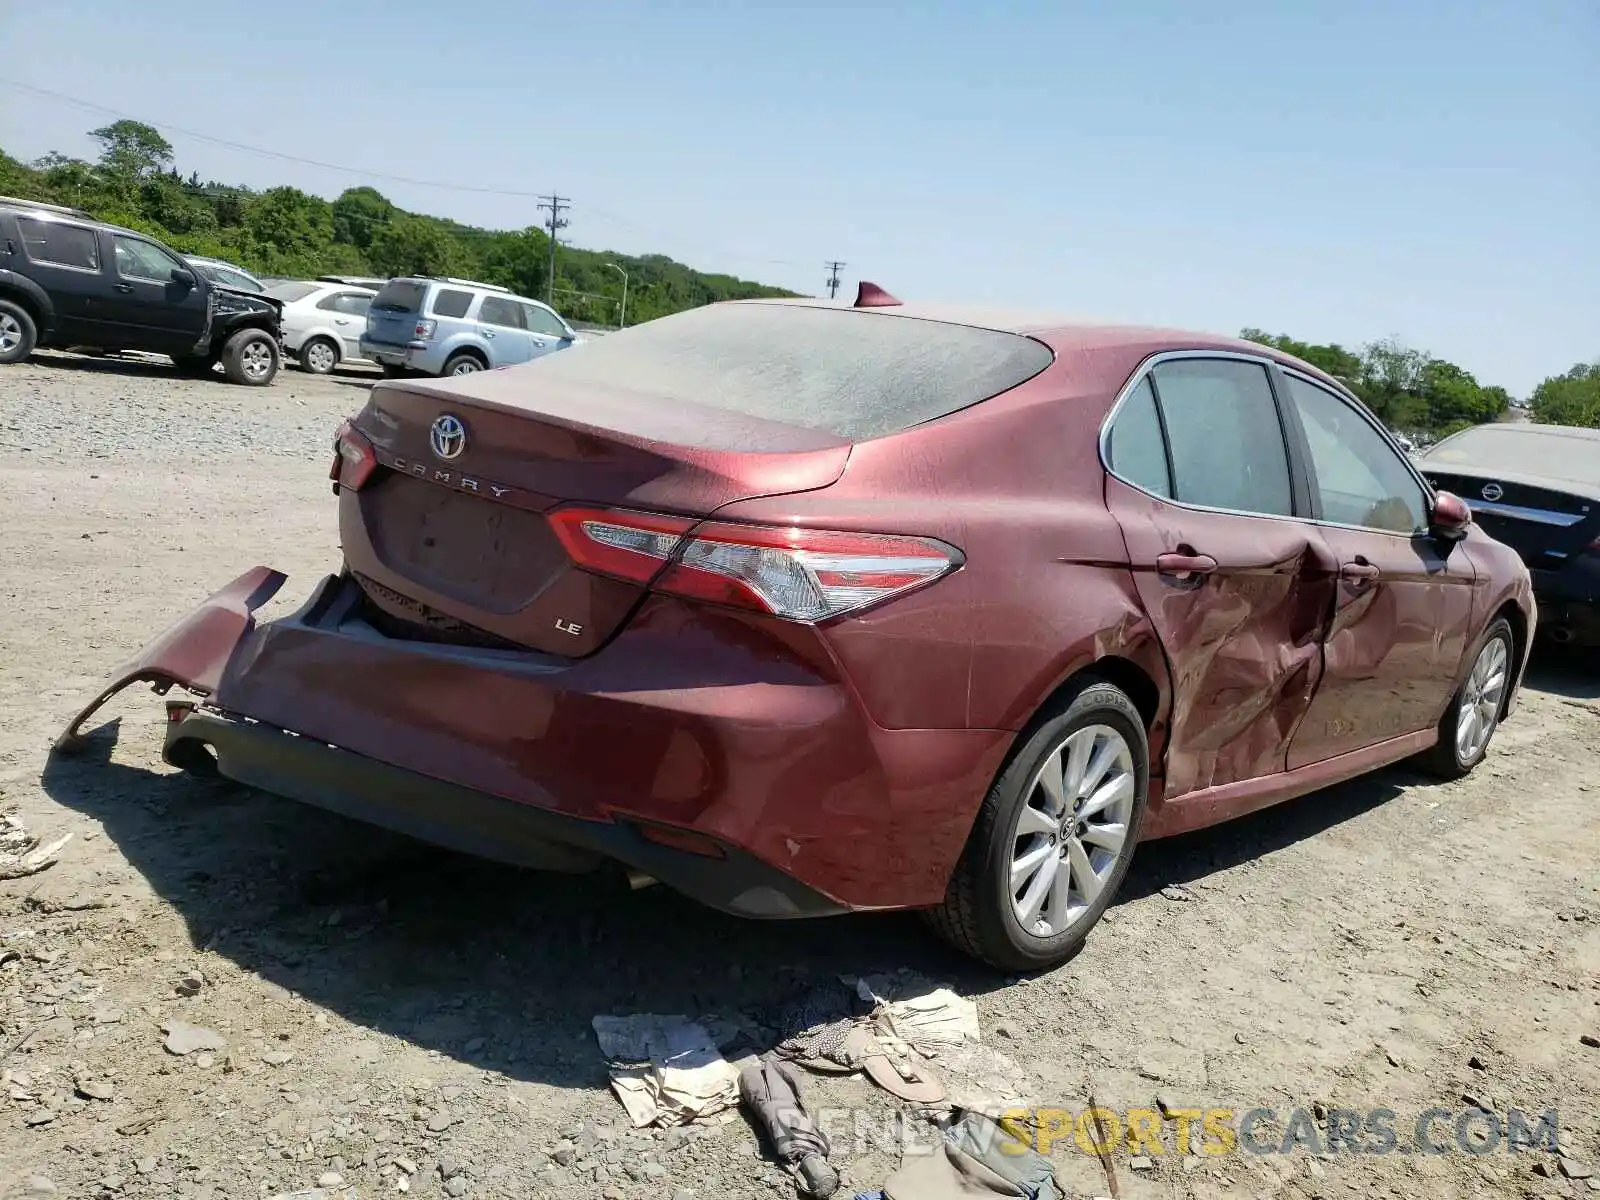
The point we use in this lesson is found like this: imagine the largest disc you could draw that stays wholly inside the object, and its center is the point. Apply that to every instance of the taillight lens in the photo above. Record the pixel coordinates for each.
(424, 329)
(354, 459)
(798, 574)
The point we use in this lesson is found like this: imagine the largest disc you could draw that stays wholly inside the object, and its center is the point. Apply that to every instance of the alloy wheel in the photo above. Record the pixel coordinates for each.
(320, 357)
(10, 333)
(1072, 831)
(1480, 700)
(467, 366)
(256, 360)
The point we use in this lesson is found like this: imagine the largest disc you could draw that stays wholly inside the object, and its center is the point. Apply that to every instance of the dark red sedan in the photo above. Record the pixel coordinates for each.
(804, 608)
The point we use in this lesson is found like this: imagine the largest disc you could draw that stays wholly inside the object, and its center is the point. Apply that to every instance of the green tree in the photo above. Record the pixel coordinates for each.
(411, 245)
(131, 152)
(1570, 399)
(291, 228)
(359, 215)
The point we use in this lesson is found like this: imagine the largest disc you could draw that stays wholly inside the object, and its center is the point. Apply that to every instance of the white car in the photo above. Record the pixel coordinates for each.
(225, 273)
(323, 322)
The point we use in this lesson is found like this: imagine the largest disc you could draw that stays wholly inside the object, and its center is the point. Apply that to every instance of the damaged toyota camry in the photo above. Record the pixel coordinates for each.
(805, 608)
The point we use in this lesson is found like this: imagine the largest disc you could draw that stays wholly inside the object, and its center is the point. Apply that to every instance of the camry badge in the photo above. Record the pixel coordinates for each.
(448, 437)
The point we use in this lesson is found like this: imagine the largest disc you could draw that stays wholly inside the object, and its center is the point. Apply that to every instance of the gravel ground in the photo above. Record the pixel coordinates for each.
(390, 1012)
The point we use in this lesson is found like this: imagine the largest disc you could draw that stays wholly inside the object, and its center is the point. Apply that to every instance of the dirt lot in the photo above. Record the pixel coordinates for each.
(388, 1008)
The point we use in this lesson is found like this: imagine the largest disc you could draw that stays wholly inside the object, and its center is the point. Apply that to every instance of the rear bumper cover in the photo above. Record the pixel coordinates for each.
(690, 718)
(459, 818)
(1569, 599)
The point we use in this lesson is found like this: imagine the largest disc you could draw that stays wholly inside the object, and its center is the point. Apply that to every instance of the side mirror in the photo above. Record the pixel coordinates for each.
(1450, 516)
(182, 278)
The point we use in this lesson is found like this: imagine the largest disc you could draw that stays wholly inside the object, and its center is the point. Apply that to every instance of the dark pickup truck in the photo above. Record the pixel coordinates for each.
(69, 280)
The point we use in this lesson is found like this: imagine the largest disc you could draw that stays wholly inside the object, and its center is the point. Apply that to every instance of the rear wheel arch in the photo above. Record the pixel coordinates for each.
(468, 351)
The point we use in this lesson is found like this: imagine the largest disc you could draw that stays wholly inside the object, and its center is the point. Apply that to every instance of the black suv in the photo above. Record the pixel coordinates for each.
(69, 280)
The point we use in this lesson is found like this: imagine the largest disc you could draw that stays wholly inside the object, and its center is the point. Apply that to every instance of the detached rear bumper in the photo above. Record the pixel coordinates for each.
(724, 754)
(301, 768)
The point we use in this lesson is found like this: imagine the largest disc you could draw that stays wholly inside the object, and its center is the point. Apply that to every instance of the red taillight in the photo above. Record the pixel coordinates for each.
(424, 329)
(799, 574)
(354, 459)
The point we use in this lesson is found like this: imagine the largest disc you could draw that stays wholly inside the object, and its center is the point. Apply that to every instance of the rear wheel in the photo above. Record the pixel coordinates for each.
(464, 364)
(250, 357)
(1474, 713)
(1054, 837)
(319, 356)
(18, 334)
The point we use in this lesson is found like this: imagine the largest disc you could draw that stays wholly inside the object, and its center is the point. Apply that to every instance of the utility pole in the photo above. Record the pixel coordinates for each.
(833, 279)
(553, 204)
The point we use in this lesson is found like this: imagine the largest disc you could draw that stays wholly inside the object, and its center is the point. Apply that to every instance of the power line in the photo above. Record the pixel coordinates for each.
(553, 204)
(363, 173)
(833, 279)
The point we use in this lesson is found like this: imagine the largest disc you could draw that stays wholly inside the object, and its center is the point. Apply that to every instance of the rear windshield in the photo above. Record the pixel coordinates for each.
(290, 292)
(400, 296)
(854, 374)
(1541, 453)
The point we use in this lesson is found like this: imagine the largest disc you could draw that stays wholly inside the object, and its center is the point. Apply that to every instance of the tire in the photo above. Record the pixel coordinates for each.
(1470, 722)
(319, 356)
(251, 357)
(464, 363)
(980, 914)
(198, 365)
(18, 334)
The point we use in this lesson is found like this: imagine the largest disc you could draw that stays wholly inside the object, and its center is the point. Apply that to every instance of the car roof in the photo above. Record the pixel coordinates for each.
(1066, 334)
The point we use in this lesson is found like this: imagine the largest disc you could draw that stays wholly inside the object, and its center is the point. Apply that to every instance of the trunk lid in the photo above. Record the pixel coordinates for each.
(1543, 523)
(452, 541)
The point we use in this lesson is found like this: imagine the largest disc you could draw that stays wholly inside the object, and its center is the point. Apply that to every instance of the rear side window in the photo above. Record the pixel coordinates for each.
(59, 244)
(448, 302)
(856, 374)
(1224, 434)
(497, 310)
(1136, 450)
(403, 295)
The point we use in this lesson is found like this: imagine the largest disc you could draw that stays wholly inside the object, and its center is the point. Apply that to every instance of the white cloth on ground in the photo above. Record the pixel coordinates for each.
(666, 1069)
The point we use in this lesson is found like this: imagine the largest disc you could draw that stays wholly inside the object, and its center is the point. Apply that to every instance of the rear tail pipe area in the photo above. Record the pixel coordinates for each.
(1561, 635)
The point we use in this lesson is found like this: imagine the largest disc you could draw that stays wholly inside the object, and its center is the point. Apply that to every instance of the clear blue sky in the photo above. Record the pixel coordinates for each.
(1335, 169)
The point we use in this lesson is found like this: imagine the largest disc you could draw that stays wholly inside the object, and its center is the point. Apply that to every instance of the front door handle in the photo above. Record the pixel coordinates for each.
(488, 333)
(1359, 571)
(122, 287)
(1185, 566)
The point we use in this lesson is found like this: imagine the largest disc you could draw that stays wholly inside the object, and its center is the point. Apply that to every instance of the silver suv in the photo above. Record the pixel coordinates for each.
(443, 326)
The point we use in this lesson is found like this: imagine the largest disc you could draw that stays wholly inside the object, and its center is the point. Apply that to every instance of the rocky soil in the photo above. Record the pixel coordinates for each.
(213, 993)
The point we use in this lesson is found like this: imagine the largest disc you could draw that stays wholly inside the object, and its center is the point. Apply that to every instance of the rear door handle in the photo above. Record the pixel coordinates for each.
(1183, 566)
(122, 287)
(1359, 572)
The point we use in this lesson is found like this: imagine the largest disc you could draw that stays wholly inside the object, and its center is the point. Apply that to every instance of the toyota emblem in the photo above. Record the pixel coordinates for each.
(1492, 492)
(448, 437)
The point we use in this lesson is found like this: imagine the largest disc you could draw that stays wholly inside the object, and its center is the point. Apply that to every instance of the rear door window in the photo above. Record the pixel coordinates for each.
(1225, 435)
(497, 310)
(449, 302)
(1136, 449)
(60, 244)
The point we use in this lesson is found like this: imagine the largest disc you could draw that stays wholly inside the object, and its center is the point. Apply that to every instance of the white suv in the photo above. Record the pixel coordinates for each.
(323, 322)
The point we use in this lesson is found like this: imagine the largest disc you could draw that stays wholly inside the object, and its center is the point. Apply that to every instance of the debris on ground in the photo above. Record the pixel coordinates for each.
(771, 1093)
(18, 863)
(666, 1070)
(184, 1039)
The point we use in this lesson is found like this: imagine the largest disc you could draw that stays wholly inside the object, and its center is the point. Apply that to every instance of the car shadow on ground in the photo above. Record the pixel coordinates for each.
(141, 365)
(1572, 672)
(451, 952)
